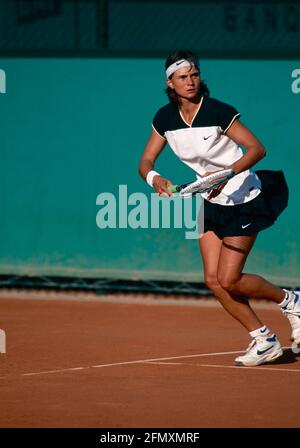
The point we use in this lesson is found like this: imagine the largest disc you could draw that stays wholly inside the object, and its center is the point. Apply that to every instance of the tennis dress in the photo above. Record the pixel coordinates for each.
(244, 206)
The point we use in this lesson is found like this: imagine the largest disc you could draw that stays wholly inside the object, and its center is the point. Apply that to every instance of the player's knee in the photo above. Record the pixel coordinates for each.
(211, 282)
(229, 281)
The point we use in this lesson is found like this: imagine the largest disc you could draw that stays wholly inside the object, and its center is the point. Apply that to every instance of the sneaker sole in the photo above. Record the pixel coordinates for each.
(261, 361)
(296, 339)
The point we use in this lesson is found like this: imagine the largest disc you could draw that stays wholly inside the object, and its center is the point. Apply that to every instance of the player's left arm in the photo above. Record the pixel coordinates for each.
(254, 150)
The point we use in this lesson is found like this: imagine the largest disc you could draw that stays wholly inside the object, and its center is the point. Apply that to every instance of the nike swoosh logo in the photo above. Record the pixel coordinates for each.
(205, 138)
(261, 352)
(246, 225)
(180, 62)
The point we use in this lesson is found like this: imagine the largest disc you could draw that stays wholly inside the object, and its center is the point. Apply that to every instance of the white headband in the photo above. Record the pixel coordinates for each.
(176, 66)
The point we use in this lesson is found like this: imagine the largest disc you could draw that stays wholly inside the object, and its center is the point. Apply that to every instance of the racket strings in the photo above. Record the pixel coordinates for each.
(204, 185)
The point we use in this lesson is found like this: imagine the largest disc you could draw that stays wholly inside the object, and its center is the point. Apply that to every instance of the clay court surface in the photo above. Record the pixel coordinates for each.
(109, 362)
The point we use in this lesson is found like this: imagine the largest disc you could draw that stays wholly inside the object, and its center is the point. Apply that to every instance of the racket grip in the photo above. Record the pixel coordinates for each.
(174, 188)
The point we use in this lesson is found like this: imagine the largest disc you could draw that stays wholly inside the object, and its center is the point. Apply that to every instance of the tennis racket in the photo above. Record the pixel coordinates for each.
(204, 184)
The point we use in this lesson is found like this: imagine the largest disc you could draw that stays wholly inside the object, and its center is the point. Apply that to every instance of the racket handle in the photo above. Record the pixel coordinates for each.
(174, 188)
(177, 188)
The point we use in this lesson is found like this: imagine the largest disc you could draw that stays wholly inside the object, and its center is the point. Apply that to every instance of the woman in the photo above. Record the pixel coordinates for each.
(206, 134)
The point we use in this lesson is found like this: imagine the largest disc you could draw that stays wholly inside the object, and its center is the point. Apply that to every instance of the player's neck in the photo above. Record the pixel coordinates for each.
(189, 109)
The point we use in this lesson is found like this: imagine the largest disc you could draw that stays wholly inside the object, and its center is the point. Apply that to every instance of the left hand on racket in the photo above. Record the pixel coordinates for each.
(160, 184)
(217, 190)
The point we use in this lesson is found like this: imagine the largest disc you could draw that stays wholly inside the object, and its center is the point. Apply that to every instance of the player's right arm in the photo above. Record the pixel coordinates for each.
(154, 147)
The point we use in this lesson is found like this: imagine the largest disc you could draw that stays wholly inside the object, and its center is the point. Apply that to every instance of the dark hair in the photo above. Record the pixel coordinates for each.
(193, 59)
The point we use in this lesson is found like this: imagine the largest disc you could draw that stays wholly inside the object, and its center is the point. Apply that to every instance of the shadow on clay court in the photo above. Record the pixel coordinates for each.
(288, 357)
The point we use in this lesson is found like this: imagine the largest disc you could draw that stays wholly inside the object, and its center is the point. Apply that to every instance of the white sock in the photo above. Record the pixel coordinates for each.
(260, 332)
(285, 300)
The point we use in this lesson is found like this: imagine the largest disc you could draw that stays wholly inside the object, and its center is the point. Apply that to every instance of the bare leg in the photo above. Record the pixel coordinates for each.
(233, 255)
(239, 308)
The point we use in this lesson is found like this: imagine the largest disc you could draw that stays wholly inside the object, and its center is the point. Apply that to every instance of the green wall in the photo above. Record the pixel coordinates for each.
(71, 129)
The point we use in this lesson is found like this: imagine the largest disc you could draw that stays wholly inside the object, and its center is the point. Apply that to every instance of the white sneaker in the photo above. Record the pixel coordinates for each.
(292, 312)
(260, 351)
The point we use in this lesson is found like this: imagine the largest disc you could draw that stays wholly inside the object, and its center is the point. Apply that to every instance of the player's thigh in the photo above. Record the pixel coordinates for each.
(210, 248)
(233, 256)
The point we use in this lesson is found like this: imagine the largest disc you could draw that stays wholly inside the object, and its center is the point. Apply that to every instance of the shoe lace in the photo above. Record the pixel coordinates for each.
(291, 312)
(291, 308)
(294, 319)
(251, 345)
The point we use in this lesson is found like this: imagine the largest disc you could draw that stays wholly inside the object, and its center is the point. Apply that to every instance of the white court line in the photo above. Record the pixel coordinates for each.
(144, 361)
(222, 366)
(125, 363)
(251, 368)
(167, 363)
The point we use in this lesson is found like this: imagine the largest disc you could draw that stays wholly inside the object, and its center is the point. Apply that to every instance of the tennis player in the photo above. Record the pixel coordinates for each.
(207, 135)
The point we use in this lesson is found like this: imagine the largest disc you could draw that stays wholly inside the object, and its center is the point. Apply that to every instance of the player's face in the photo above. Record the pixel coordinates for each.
(185, 82)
